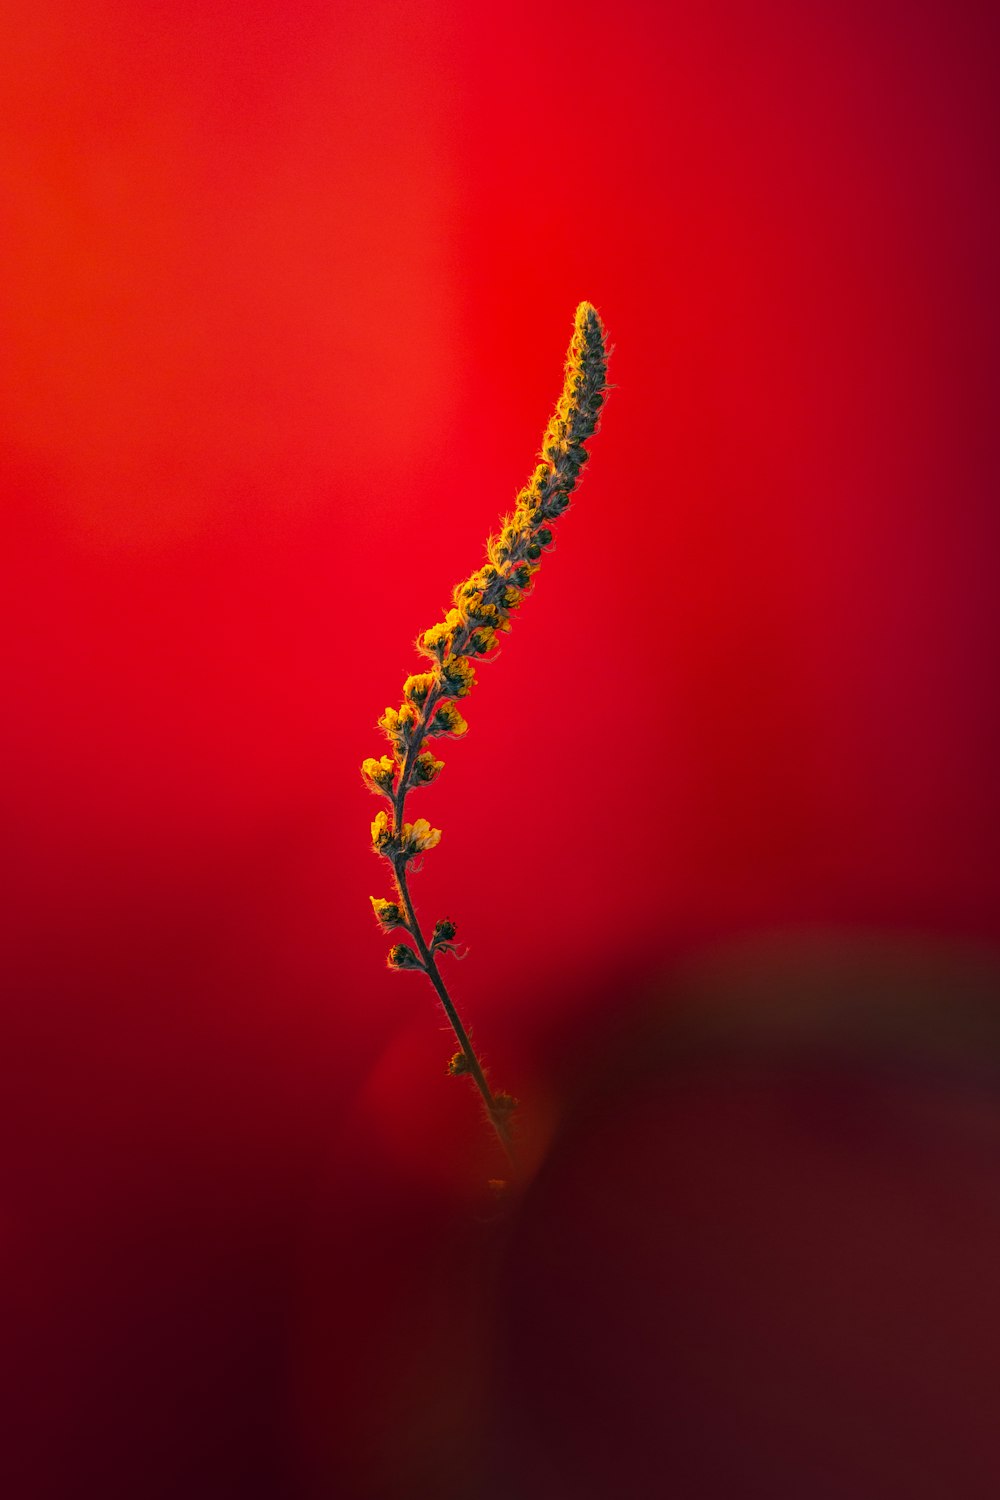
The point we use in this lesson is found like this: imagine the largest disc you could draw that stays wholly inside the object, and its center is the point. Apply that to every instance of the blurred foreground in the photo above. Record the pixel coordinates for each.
(759, 1259)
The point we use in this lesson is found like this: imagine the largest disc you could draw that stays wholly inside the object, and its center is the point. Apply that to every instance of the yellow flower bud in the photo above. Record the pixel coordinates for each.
(389, 914)
(403, 957)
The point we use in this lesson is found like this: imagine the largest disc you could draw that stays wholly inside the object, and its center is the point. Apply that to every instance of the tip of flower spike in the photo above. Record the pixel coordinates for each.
(588, 327)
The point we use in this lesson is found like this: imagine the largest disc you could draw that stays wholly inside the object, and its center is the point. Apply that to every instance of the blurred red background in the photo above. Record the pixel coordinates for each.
(286, 292)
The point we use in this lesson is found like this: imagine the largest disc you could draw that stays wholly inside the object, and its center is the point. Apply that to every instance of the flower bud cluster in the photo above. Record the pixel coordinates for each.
(415, 839)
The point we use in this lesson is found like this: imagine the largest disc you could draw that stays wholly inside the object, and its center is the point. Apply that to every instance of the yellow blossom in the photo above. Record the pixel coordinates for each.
(398, 725)
(419, 836)
(457, 675)
(437, 641)
(447, 720)
(378, 774)
(482, 640)
(417, 687)
(382, 833)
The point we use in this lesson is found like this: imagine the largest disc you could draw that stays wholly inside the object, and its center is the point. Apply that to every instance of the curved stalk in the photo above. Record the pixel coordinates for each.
(483, 604)
(473, 1065)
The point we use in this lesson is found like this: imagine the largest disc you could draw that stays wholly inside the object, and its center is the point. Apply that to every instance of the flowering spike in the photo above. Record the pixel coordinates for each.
(481, 610)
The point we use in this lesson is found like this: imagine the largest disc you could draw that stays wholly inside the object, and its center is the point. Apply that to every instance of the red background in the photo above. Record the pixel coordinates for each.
(285, 296)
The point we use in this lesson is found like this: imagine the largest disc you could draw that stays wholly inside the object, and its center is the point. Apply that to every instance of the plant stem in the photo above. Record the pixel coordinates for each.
(496, 1116)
